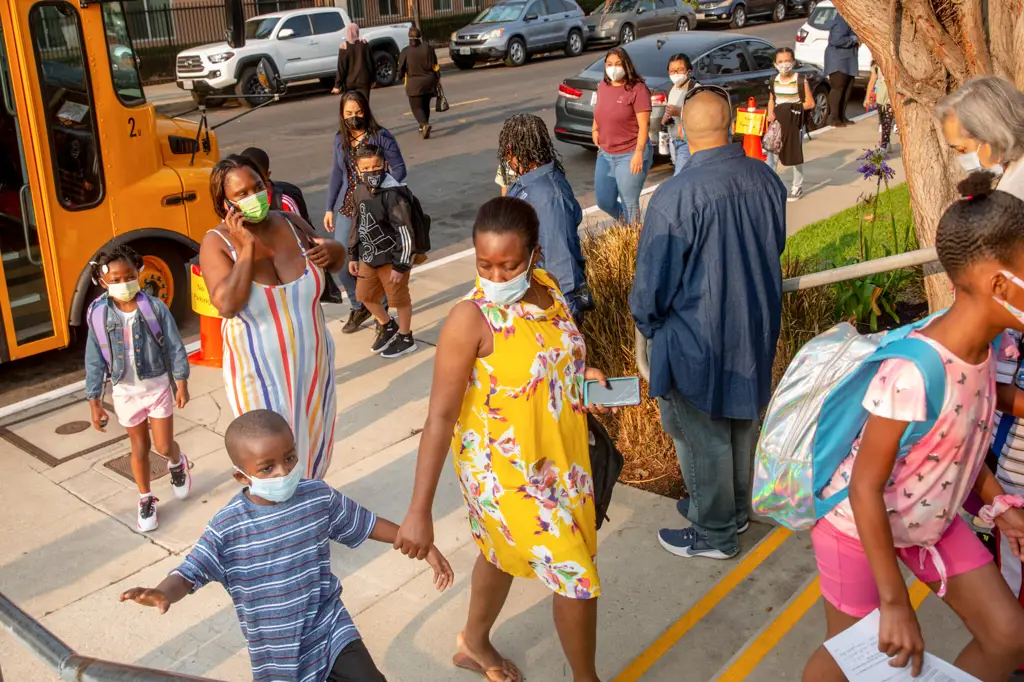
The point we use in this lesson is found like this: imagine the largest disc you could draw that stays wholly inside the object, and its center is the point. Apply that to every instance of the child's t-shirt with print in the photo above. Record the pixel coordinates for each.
(927, 486)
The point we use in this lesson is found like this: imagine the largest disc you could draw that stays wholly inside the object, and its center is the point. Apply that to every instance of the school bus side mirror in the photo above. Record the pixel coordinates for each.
(235, 15)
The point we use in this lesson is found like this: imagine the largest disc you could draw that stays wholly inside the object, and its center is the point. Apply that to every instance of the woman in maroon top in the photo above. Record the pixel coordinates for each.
(622, 119)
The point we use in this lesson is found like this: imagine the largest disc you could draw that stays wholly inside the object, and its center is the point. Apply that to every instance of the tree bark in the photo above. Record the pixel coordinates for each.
(927, 49)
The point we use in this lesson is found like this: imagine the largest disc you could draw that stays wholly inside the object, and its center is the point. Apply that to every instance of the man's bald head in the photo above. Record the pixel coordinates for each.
(706, 120)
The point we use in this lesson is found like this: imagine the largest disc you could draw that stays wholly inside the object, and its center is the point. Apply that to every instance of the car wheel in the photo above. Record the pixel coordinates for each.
(627, 35)
(385, 68)
(739, 17)
(463, 64)
(516, 55)
(817, 116)
(574, 45)
(682, 24)
(780, 11)
(249, 88)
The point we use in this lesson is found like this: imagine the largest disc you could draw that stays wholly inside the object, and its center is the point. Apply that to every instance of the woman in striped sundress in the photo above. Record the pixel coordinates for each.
(265, 272)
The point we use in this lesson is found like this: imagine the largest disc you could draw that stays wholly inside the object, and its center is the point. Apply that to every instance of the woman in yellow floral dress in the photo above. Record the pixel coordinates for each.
(508, 382)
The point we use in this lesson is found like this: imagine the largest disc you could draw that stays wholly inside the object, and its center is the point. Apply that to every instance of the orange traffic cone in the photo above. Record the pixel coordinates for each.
(752, 146)
(211, 343)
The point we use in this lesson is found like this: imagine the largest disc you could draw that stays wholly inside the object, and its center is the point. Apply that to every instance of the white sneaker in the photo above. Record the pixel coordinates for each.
(181, 479)
(147, 520)
(795, 194)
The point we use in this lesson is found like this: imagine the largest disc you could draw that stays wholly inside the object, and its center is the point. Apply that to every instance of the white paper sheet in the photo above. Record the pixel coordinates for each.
(856, 652)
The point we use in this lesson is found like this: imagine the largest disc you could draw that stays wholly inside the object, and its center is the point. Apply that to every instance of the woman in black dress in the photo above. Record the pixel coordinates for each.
(418, 65)
(355, 64)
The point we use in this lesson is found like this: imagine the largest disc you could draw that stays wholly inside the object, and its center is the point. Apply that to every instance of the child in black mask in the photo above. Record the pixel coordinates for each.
(382, 250)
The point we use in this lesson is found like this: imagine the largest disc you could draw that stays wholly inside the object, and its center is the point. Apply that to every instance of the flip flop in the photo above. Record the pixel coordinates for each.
(506, 672)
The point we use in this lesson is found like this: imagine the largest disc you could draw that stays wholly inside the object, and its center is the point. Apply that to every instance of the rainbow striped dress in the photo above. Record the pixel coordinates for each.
(278, 355)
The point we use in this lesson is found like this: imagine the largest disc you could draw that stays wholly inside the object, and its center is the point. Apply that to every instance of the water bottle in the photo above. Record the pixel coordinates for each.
(663, 143)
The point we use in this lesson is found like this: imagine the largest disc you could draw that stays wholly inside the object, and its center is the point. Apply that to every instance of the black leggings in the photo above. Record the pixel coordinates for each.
(354, 664)
(885, 120)
(842, 86)
(420, 106)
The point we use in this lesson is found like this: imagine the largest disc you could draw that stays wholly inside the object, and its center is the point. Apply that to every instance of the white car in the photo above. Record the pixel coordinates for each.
(299, 44)
(812, 39)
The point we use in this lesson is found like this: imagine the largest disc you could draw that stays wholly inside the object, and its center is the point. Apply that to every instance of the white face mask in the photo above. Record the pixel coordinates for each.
(278, 489)
(615, 73)
(679, 78)
(124, 291)
(1006, 304)
(785, 68)
(971, 163)
(507, 293)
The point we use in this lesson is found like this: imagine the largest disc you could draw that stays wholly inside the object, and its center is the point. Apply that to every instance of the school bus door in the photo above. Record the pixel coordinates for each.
(29, 301)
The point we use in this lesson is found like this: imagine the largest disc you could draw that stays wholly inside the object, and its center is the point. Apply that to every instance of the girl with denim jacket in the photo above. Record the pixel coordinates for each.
(149, 375)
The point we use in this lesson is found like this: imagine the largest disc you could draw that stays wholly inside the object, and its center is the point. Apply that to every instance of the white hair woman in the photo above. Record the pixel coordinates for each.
(983, 122)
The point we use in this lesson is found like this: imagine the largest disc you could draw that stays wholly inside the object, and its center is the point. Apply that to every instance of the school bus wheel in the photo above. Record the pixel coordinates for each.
(163, 275)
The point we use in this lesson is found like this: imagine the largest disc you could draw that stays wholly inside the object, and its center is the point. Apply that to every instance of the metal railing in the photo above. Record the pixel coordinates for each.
(818, 279)
(72, 666)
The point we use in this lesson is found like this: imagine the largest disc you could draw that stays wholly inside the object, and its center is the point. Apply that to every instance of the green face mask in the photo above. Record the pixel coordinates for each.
(255, 207)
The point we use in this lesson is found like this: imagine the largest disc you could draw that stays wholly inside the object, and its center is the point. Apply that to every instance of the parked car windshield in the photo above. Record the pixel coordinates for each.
(822, 17)
(500, 13)
(260, 28)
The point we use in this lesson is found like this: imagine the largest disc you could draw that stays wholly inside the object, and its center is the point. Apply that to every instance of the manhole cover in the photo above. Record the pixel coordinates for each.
(123, 466)
(72, 428)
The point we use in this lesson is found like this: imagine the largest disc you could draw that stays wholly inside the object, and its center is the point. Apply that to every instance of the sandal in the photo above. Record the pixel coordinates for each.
(506, 672)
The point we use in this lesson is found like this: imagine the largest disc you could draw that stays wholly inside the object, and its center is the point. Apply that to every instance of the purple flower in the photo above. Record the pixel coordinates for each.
(874, 165)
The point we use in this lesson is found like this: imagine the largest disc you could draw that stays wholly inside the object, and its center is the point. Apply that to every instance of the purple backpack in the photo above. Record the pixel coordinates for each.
(97, 319)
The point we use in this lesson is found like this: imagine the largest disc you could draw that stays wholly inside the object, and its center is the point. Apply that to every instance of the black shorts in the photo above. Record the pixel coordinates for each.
(354, 664)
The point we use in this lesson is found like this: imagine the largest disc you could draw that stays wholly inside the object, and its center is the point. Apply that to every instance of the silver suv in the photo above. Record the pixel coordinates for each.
(515, 30)
(623, 21)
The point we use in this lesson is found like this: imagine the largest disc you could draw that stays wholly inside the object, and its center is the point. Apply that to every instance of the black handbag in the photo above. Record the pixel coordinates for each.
(331, 292)
(441, 105)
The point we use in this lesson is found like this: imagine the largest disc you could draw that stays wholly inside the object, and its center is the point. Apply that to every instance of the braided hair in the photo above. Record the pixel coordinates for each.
(525, 138)
(105, 258)
(984, 225)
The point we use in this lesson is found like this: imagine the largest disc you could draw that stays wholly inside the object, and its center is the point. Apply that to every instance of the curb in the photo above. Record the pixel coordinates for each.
(172, 107)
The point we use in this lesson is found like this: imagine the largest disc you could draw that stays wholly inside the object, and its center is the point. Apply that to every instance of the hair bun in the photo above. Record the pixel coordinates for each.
(977, 184)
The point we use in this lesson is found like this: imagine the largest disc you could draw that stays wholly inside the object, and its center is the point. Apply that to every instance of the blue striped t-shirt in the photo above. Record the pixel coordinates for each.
(275, 562)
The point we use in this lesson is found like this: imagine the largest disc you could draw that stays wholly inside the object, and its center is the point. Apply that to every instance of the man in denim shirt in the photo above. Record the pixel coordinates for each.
(708, 294)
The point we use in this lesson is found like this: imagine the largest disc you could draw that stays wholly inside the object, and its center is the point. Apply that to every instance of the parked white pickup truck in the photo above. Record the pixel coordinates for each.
(299, 44)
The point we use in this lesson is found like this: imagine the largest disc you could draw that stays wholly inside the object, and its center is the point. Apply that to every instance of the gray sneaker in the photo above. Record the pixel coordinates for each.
(795, 194)
(689, 542)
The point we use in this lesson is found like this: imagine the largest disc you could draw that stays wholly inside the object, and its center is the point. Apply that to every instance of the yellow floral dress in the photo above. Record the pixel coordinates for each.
(520, 447)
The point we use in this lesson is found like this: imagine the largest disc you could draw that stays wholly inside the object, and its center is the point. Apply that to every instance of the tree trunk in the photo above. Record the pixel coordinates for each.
(926, 49)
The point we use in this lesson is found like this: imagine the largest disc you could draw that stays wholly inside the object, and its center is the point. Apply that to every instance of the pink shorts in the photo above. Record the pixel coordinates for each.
(132, 410)
(846, 579)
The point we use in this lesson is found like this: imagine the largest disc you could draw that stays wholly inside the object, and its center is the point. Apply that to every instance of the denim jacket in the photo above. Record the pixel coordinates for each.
(150, 359)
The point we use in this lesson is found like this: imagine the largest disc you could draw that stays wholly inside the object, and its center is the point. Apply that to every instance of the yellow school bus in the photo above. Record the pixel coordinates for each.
(85, 164)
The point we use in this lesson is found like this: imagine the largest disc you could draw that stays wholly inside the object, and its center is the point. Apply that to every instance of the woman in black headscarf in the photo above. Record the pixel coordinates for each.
(418, 65)
(355, 64)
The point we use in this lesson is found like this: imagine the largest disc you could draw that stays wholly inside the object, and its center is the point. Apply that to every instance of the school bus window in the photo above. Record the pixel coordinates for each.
(67, 100)
(123, 68)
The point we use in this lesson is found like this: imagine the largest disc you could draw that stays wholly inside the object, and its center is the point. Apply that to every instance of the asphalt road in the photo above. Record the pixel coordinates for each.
(452, 173)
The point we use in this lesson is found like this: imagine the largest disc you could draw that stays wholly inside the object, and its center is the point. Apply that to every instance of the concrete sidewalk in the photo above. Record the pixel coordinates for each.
(167, 97)
(70, 546)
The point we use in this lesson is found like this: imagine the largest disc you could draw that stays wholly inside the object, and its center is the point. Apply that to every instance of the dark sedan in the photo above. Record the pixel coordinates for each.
(743, 66)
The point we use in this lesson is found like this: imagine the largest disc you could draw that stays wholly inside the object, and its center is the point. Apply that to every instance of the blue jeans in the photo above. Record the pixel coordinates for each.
(345, 280)
(714, 457)
(680, 155)
(616, 189)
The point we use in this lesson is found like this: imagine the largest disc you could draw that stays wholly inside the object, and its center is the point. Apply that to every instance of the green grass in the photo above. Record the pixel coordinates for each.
(833, 241)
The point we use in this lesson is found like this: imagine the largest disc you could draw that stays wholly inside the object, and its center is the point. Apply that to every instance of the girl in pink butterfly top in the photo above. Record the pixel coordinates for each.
(907, 507)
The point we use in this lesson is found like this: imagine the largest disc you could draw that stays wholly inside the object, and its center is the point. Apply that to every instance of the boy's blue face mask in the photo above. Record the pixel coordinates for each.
(278, 489)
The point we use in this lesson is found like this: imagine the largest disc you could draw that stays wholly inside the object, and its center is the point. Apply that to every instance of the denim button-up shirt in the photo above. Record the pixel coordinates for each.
(150, 359)
(708, 285)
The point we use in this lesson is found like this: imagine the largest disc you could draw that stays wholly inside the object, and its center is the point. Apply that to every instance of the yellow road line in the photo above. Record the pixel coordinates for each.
(773, 634)
(797, 609)
(457, 104)
(642, 663)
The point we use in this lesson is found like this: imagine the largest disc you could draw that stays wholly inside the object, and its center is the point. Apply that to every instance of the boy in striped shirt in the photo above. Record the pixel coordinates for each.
(269, 548)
